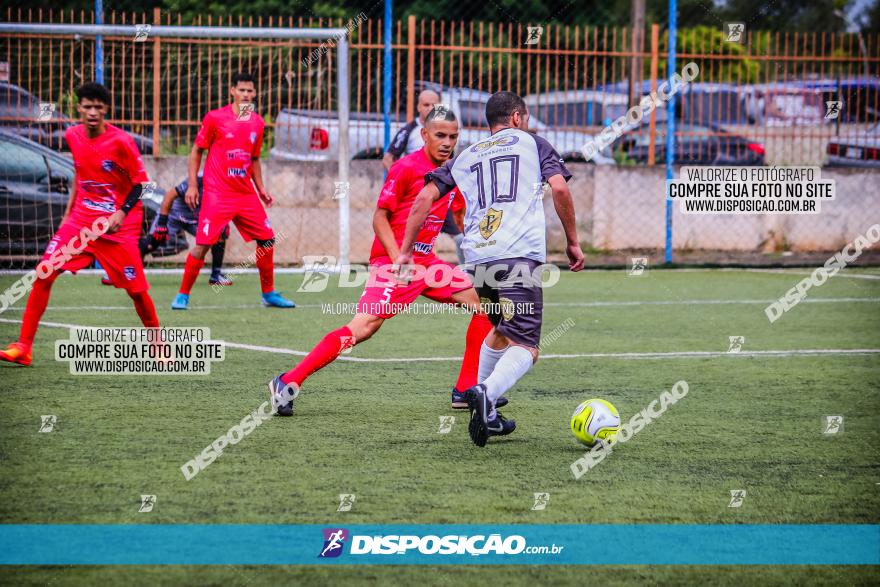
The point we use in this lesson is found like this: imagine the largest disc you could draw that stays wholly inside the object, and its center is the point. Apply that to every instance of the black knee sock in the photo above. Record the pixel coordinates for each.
(217, 252)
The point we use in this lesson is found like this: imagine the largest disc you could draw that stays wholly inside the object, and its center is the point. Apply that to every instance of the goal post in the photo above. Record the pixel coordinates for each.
(339, 36)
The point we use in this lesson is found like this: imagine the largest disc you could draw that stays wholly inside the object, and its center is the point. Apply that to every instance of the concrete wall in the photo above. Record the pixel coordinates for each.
(618, 208)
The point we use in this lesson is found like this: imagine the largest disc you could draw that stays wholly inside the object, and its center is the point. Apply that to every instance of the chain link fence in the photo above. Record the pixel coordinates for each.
(760, 98)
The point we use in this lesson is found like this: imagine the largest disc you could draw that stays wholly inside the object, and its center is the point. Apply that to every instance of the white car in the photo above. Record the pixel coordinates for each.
(311, 135)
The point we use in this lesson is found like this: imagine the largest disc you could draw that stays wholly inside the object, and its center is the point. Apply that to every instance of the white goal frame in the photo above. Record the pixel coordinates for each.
(338, 35)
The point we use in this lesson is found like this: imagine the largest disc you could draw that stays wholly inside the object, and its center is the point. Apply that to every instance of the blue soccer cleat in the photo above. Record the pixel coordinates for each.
(181, 302)
(282, 395)
(273, 299)
(481, 427)
(460, 402)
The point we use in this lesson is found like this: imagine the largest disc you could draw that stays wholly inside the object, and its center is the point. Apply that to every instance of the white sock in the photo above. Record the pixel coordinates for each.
(458, 239)
(488, 358)
(515, 363)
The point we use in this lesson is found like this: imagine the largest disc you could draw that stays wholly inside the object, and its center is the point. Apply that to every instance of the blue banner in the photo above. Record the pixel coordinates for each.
(158, 544)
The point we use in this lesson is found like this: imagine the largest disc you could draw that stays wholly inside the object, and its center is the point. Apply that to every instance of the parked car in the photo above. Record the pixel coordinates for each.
(20, 113)
(859, 97)
(35, 184)
(707, 101)
(310, 135)
(784, 104)
(577, 108)
(695, 144)
(861, 150)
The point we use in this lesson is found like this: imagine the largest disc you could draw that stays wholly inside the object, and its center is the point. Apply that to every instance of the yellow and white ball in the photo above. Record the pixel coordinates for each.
(595, 420)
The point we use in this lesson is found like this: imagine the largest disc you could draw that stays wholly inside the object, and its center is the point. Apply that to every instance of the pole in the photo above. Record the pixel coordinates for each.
(637, 27)
(386, 79)
(344, 97)
(99, 43)
(670, 126)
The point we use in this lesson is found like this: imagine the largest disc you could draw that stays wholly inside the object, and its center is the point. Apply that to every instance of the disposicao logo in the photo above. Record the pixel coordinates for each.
(334, 539)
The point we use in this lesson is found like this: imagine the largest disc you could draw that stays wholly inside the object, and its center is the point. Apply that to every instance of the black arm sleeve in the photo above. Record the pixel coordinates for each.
(133, 196)
(442, 177)
(551, 163)
(398, 144)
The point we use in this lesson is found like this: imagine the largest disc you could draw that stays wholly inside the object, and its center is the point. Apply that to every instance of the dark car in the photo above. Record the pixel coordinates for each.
(860, 149)
(35, 184)
(28, 116)
(695, 144)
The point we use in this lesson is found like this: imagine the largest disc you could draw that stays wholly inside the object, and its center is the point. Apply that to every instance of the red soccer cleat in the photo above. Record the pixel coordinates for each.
(17, 353)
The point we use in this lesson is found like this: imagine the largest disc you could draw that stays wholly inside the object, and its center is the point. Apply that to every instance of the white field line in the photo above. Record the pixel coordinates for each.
(554, 304)
(665, 355)
(299, 270)
(802, 272)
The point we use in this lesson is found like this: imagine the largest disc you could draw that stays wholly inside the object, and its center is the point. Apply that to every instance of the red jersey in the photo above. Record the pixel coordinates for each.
(232, 143)
(107, 168)
(405, 180)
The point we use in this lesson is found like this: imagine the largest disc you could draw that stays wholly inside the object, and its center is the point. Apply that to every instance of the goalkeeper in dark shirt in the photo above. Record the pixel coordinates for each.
(175, 217)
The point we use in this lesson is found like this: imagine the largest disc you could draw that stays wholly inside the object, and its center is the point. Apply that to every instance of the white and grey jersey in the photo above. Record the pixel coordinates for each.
(501, 179)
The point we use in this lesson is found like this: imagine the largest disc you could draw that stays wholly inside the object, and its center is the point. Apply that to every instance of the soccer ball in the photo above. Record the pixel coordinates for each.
(595, 420)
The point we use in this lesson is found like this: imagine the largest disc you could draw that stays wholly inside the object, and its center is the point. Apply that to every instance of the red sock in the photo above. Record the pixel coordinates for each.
(190, 273)
(324, 353)
(143, 305)
(266, 267)
(470, 363)
(33, 310)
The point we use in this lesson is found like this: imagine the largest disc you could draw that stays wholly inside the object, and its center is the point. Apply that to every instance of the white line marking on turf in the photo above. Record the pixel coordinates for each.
(707, 302)
(790, 272)
(612, 270)
(666, 355)
(557, 304)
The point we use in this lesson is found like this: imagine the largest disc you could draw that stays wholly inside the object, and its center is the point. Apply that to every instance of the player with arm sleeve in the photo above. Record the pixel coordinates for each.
(500, 179)
(384, 296)
(233, 189)
(176, 217)
(102, 220)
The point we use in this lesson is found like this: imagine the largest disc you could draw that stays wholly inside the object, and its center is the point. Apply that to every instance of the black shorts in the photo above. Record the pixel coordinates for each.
(511, 295)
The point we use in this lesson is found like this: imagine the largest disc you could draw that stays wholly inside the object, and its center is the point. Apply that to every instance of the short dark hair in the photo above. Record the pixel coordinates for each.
(93, 91)
(243, 76)
(440, 112)
(501, 107)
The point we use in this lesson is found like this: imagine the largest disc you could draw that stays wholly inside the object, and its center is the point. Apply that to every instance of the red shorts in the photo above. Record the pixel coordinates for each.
(384, 297)
(121, 260)
(245, 211)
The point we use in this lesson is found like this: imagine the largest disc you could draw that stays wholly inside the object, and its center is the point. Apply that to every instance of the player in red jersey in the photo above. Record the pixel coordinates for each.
(233, 136)
(102, 220)
(384, 296)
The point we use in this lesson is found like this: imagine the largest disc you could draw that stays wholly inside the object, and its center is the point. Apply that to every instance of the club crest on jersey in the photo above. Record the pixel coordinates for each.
(490, 222)
(108, 165)
(253, 137)
(129, 272)
(504, 141)
(507, 308)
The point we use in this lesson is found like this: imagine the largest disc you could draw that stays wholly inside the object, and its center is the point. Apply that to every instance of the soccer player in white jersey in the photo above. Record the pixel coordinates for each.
(501, 179)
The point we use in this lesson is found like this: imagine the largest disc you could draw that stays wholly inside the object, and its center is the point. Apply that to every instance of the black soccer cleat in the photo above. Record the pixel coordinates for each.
(476, 398)
(481, 427)
(460, 402)
(281, 395)
(500, 426)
